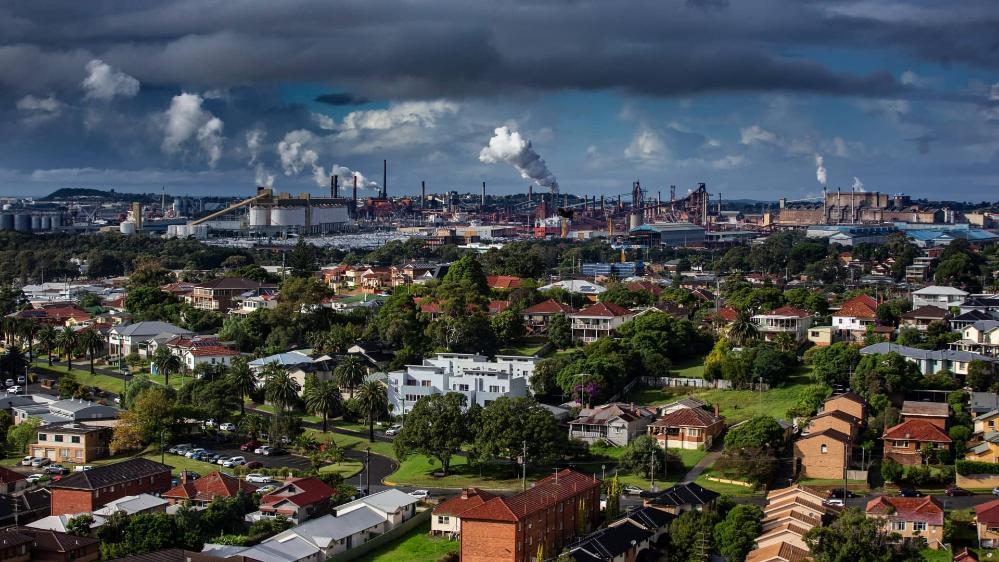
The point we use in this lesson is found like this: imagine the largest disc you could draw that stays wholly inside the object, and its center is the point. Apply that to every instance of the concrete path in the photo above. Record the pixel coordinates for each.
(696, 470)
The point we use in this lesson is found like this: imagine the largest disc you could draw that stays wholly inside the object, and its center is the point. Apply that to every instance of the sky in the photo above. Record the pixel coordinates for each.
(756, 98)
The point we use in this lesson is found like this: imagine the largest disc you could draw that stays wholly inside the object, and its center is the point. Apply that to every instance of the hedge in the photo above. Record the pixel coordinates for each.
(968, 468)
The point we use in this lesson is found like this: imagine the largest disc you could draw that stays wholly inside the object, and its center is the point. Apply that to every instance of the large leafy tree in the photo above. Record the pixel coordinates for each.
(736, 534)
(373, 398)
(302, 259)
(508, 425)
(468, 269)
(152, 413)
(560, 331)
(435, 427)
(854, 537)
(833, 364)
(642, 454)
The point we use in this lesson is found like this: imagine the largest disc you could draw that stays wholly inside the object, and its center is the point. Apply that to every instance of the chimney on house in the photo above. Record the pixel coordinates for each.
(716, 410)
(464, 493)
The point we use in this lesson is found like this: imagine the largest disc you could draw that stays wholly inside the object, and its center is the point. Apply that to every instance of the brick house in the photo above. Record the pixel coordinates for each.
(53, 546)
(687, 428)
(298, 500)
(834, 419)
(936, 413)
(853, 318)
(546, 517)
(779, 552)
(92, 489)
(202, 491)
(903, 443)
(537, 317)
(72, 442)
(910, 517)
(446, 518)
(822, 454)
(849, 403)
(15, 547)
(11, 481)
(220, 294)
(922, 317)
(686, 496)
(987, 524)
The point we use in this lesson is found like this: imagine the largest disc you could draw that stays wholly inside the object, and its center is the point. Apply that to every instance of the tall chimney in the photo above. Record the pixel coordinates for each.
(384, 179)
(423, 194)
(530, 192)
(483, 203)
(336, 186)
(354, 206)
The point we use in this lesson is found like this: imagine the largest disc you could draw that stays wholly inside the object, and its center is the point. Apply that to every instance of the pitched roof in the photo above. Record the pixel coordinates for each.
(778, 551)
(108, 474)
(504, 281)
(550, 306)
(987, 512)
(467, 499)
(848, 395)
(604, 309)
(838, 414)
(651, 517)
(789, 311)
(602, 414)
(299, 491)
(209, 487)
(497, 306)
(917, 430)
(8, 476)
(805, 518)
(213, 351)
(610, 542)
(685, 493)
(789, 526)
(388, 501)
(927, 509)
(929, 409)
(728, 314)
(858, 307)
(940, 290)
(233, 283)
(688, 417)
(55, 541)
(548, 491)
(928, 311)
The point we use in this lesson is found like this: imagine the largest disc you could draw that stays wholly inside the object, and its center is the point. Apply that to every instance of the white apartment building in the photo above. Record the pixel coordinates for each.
(475, 376)
(935, 295)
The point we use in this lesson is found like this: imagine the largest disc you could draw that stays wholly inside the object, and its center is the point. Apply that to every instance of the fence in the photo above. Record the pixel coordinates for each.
(624, 390)
(697, 383)
(397, 532)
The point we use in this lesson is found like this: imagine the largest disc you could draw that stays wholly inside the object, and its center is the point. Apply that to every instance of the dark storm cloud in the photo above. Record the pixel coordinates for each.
(405, 49)
(340, 98)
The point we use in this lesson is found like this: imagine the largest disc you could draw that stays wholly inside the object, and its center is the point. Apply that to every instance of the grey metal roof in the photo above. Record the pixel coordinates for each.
(151, 328)
(389, 501)
(328, 529)
(924, 354)
(291, 550)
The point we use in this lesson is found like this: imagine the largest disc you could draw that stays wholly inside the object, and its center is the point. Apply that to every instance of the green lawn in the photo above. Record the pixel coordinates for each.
(415, 546)
(693, 369)
(722, 487)
(270, 409)
(735, 405)
(105, 382)
(936, 555)
(417, 470)
(346, 468)
(526, 349)
(354, 443)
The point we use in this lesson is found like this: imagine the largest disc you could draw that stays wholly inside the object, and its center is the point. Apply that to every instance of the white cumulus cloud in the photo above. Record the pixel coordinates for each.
(185, 120)
(756, 134)
(103, 82)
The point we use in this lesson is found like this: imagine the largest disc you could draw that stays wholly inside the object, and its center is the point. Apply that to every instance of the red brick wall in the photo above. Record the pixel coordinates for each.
(488, 541)
(71, 501)
(76, 501)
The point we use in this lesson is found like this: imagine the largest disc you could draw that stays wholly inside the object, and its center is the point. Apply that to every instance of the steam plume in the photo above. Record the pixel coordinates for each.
(858, 185)
(508, 146)
(820, 170)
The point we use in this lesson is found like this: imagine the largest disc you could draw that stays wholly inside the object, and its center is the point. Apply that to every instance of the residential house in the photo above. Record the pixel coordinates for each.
(779, 552)
(782, 527)
(133, 505)
(481, 380)
(546, 516)
(320, 538)
(297, 499)
(987, 422)
(53, 546)
(979, 337)
(134, 338)
(682, 497)
(685, 402)
(784, 320)
(91, 489)
(655, 520)
(11, 481)
(24, 507)
(578, 286)
(220, 295)
(934, 295)
(598, 320)
(217, 355)
(930, 361)
(253, 303)
(910, 517)
(61, 524)
(921, 318)
(537, 317)
(687, 428)
(853, 318)
(799, 507)
(67, 410)
(72, 442)
(965, 319)
(446, 518)
(615, 423)
(987, 524)
(504, 282)
(823, 454)
(904, 442)
(15, 547)
(61, 314)
(822, 336)
(987, 304)
(836, 420)
(936, 413)
(983, 402)
(622, 542)
(987, 450)
(393, 506)
(201, 491)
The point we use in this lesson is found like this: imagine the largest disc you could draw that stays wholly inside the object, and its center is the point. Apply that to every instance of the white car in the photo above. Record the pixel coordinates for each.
(40, 461)
(227, 427)
(209, 423)
(222, 460)
(393, 431)
(16, 389)
(633, 490)
(260, 450)
(26, 461)
(35, 477)
(82, 468)
(266, 489)
(234, 462)
(835, 502)
(420, 494)
(258, 478)
(193, 452)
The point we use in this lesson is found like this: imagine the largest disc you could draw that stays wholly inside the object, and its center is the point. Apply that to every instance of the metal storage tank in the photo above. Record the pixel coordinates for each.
(7, 222)
(22, 223)
(127, 227)
(288, 216)
(46, 223)
(260, 216)
(36, 222)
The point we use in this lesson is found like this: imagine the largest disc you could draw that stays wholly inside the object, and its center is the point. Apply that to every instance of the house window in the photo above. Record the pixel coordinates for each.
(463, 387)
(693, 432)
(898, 525)
(42, 437)
(900, 444)
(823, 448)
(425, 383)
(58, 438)
(74, 439)
(494, 389)
(919, 526)
(443, 519)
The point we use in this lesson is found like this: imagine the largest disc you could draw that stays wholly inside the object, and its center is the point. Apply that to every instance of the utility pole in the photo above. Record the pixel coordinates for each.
(652, 473)
(367, 471)
(523, 466)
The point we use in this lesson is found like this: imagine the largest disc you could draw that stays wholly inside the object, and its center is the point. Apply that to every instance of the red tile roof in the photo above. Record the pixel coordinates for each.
(497, 306)
(644, 286)
(728, 314)
(987, 512)
(8, 476)
(860, 306)
(927, 509)
(504, 281)
(209, 487)
(213, 351)
(472, 497)
(789, 311)
(779, 551)
(299, 491)
(917, 430)
(605, 309)
(546, 492)
(688, 417)
(550, 306)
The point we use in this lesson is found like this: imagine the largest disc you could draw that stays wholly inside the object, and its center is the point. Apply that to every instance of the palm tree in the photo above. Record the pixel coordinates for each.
(743, 329)
(92, 343)
(165, 363)
(49, 337)
(252, 424)
(373, 397)
(242, 379)
(9, 326)
(323, 399)
(28, 330)
(350, 372)
(67, 341)
(280, 389)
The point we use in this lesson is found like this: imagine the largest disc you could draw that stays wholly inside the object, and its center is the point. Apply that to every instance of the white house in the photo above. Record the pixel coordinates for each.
(980, 337)
(576, 286)
(935, 295)
(786, 319)
(598, 321)
(856, 314)
(392, 505)
(212, 355)
(124, 340)
(446, 519)
(480, 380)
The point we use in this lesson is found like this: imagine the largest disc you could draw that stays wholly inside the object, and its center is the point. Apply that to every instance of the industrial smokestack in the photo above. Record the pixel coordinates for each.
(483, 203)
(423, 194)
(530, 192)
(384, 179)
(354, 206)
(335, 188)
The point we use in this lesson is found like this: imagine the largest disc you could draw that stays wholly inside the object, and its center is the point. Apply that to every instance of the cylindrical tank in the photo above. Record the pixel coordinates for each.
(7, 207)
(288, 216)
(198, 231)
(22, 223)
(260, 216)
(36, 222)
(636, 220)
(47, 222)
(127, 228)
(6, 222)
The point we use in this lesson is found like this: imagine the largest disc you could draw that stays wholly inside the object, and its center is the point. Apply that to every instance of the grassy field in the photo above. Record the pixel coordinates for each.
(935, 555)
(354, 443)
(526, 349)
(735, 405)
(722, 487)
(109, 383)
(417, 470)
(415, 546)
(346, 468)
(693, 369)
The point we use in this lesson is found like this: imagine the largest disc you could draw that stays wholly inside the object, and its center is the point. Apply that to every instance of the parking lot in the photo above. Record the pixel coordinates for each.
(231, 449)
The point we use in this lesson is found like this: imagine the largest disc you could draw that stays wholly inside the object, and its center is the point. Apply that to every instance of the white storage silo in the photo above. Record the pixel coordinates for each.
(288, 216)
(22, 222)
(260, 216)
(46, 222)
(127, 228)
(36, 223)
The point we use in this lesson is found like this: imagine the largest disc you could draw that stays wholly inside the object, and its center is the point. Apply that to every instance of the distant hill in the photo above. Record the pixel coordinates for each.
(87, 193)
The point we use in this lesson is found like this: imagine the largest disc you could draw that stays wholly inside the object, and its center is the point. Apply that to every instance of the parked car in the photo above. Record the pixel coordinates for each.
(956, 491)
(26, 461)
(16, 389)
(393, 430)
(34, 477)
(209, 423)
(56, 469)
(834, 502)
(249, 445)
(9, 382)
(253, 464)
(222, 460)
(213, 458)
(22, 379)
(276, 451)
(909, 493)
(266, 489)
(234, 462)
(837, 493)
(257, 478)
(633, 490)
(420, 494)
(260, 450)
(227, 427)
(40, 461)
(190, 454)
(180, 449)
(82, 468)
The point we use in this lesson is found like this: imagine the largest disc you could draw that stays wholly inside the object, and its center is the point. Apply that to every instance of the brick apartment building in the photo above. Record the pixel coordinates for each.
(220, 294)
(72, 442)
(544, 518)
(92, 489)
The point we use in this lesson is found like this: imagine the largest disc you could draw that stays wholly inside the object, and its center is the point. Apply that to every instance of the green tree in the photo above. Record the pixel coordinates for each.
(468, 269)
(759, 431)
(507, 425)
(80, 525)
(302, 259)
(690, 536)
(435, 427)
(351, 371)
(640, 455)
(279, 387)
(242, 379)
(93, 343)
(742, 330)
(165, 363)
(23, 434)
(152, 414)
(891, 471)
(981, 375)
(544, 377)
(508, 326)
(49, 337)
(854, 537)
(373, 398)
(735, 535)
(833, 364)
(559, 331)
(67, 342)
(323, 399)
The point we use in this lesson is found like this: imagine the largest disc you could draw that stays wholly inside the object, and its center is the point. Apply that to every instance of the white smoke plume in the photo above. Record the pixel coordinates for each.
(297, 157)
(820, 170)
(186, 119)
(858, 185)
(104, 82)
(346, 176)
(254, 139)
(508, 146)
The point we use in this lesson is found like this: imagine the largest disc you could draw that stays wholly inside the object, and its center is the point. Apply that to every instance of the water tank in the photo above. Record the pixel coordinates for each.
(6, 222)
(7, 207)
(127, 228)
(47, 222)
(260, 216)
(288, 216)
(36, 222)
(22, 222)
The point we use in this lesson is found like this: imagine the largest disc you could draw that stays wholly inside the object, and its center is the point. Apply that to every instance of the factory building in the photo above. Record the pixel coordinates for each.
(285, 212)
(27, 221)
(856, 207)
(682, 234)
